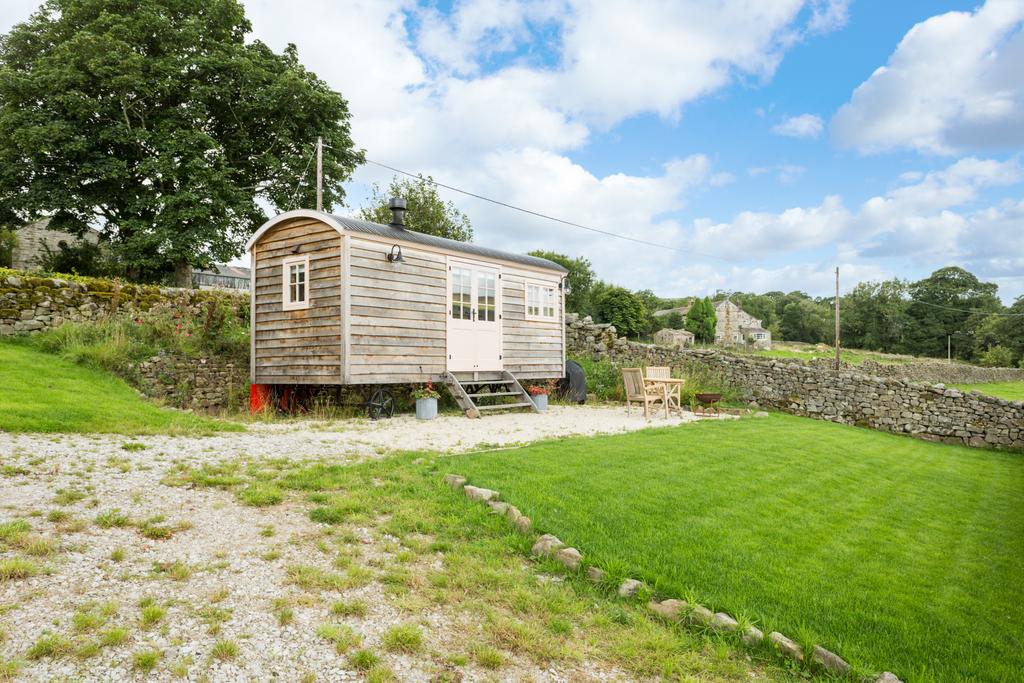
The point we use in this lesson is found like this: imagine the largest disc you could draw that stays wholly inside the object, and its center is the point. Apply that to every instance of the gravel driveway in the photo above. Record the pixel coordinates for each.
(220, 576)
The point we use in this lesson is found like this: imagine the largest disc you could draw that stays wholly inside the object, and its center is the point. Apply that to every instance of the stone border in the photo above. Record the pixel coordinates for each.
(670, 609)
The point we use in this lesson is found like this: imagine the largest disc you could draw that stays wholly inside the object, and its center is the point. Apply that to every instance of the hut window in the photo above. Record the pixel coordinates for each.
(296, 283)
(540, 302)
(462, 297)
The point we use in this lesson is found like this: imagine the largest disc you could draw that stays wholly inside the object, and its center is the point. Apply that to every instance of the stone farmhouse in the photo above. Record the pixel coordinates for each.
(35, 238)
(734, 327)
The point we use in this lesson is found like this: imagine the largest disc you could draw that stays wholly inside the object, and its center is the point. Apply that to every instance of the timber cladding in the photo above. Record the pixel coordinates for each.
(531, 348)
(398, 317)
(298, 346)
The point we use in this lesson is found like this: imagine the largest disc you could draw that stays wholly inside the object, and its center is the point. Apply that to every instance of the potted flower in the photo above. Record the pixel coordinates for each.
(426, 402)
(539, 395)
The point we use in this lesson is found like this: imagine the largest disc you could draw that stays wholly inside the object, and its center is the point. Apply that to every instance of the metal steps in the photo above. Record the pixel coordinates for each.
(500, 385)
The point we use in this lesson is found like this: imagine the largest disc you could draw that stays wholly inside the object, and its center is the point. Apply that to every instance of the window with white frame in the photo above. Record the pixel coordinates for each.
(295, 294)
(540, 301)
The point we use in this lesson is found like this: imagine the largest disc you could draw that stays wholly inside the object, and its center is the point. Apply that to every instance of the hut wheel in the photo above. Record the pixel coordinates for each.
(381, 404)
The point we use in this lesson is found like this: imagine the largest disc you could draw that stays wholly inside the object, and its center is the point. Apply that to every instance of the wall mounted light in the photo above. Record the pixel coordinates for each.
(396, 255)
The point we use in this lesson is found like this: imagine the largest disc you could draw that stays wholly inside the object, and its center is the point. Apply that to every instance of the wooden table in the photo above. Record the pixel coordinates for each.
(672, 389)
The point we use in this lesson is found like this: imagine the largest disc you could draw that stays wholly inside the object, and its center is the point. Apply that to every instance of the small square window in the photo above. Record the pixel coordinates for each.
(295, 284)
(540, 302)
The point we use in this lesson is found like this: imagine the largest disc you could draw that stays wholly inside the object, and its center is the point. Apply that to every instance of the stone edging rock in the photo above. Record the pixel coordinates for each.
(670, 609)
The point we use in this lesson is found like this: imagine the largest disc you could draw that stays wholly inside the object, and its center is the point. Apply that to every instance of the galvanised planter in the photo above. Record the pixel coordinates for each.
(426, 408)
(541, 401)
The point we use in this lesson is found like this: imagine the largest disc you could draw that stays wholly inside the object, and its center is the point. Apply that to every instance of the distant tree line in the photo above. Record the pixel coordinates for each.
(893, 316)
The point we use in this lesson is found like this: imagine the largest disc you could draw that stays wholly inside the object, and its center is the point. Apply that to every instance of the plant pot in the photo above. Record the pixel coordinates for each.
(541, 401)
(426, 408)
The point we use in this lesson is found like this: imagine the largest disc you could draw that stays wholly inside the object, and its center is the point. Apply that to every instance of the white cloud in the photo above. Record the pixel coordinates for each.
(784, 173)
(954, 82)
(828, 15)
(802, 126)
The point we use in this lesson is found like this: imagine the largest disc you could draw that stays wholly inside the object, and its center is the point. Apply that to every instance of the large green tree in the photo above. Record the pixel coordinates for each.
(623, 309)
(950, 302)
(580, 280)
(425, 211)
(702, 320)
(159, 123)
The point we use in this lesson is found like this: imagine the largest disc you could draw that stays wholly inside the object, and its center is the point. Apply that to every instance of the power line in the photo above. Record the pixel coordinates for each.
(538, 214)
(605, 232)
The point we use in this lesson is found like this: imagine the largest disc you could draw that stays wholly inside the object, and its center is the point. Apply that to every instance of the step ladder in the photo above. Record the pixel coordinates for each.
(480, 392)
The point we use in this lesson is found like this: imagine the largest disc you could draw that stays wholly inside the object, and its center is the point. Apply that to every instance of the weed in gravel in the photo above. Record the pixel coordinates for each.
(380, 674)
(109, 519)
(487, 656)
(177, 570)
(260, 494)
(306, 576)
(87, 649)
(13, 531)
(271, 555)
(343, 637)
(50, 645)
(224, 650)
(155, 529)
(38, 545)
(180, 667)
(363, 660)
(57, 516)
(123, 465)
(349, 608)
(406, 638)
(146, 660)
(151, 615)
(213, 617)
(267, 531)
(12, 568)
(92, 616)
(9, 669)
(113, 637)
(134, 446)
(219, 594)
(117, 554)
(69, 496)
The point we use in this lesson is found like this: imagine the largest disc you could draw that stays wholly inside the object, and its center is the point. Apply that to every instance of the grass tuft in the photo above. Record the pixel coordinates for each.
(260, 494)
(407, 638)
(146, 660)
(224, 650)
(114, 518)
(12, 568)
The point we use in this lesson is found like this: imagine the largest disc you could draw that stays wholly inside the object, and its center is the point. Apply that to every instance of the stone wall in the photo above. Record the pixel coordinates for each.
(925, 411)
(205, 384)
(29, 304)
(935, 371)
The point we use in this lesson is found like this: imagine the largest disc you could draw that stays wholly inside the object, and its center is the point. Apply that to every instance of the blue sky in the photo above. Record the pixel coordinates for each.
(784, 136)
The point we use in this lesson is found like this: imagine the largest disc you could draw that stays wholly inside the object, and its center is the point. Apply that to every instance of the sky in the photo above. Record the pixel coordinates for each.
(761, 143)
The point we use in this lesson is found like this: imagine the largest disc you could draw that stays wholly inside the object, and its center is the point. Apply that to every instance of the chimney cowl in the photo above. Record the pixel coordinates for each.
(397, 206)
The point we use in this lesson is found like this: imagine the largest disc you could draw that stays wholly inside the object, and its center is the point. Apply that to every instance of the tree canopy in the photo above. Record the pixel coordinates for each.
(158, 123)
(702, 320)
(425, 212)
(623, 309)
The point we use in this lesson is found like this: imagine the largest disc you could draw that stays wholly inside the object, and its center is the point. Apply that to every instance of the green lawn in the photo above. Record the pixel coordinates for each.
(1012, 391)
(42, 393)
(855, 357)
(898, 554)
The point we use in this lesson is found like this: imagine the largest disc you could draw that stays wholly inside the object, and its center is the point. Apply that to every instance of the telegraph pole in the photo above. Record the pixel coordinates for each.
(319, 174)
(837, 320)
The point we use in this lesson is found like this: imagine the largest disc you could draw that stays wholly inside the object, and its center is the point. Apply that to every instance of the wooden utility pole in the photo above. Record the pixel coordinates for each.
(949, 348)
(319, 174)
(837, 320)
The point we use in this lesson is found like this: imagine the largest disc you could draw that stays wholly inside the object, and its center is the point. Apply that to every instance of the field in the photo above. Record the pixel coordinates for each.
(898, 554)
(43, 393)
(1011, 391)
(808, 351)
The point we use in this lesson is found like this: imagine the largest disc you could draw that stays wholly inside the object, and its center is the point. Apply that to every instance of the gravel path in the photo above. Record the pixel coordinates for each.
(230, 566)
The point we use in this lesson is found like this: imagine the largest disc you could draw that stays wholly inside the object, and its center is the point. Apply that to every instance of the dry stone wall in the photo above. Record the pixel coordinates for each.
(927, 411)
(29, 303)
(205, 384)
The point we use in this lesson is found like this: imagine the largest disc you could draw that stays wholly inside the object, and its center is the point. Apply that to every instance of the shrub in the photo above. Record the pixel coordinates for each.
(997, 357)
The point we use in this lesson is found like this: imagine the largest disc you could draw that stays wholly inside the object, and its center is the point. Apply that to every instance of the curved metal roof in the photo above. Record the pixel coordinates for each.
(391, 232)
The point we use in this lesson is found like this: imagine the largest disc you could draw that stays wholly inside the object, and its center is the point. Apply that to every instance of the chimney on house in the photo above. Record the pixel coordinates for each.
(397, 206)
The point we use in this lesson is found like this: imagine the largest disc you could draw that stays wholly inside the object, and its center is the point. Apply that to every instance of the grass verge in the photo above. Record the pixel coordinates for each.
(42, 393)
(898, 554)
(1011, 391)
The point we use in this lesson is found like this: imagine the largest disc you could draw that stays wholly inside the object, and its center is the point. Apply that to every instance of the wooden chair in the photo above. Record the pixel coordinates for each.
(642, 391)
(673, 386)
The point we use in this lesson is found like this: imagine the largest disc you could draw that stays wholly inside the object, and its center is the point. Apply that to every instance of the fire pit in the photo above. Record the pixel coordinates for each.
(709, 402)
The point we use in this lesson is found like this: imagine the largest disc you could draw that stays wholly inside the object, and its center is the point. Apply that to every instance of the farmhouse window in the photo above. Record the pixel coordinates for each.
(295, 294)
(540, 302)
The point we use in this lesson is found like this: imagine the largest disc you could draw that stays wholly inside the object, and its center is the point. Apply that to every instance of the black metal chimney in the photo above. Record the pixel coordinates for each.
(397, 206)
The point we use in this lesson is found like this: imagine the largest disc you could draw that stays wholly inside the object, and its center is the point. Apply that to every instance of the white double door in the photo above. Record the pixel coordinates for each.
(474, 316)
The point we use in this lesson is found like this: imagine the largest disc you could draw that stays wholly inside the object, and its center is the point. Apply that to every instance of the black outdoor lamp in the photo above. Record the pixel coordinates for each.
(396, 255)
